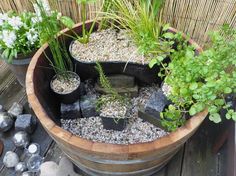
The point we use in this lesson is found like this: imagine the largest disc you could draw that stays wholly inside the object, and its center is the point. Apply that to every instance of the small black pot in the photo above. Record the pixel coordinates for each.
(71, 97)
(114, 124)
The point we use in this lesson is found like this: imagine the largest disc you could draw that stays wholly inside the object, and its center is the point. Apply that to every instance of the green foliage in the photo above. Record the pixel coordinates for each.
(112, 95)
(18, 34)
(85, 34)
(142, 20)
(203, 81)
(172, 118)
(49, 27)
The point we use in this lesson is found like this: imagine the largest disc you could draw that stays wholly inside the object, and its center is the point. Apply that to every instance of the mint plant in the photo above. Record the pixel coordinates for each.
(203, 81)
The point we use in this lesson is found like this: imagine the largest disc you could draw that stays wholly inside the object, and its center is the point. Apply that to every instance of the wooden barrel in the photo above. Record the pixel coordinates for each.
(94, 158)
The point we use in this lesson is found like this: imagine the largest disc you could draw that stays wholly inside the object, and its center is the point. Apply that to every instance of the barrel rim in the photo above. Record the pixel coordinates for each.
(105, 148)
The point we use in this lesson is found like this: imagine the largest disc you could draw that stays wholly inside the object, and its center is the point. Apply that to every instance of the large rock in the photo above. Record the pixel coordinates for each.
(71, 111)
(65, 168)
(88, 106)
(10, 159)
(16, 109)
(25, 122)
(6, 122)
(155, 105)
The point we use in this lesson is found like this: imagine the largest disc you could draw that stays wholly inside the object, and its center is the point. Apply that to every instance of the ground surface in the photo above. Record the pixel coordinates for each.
(194, 159)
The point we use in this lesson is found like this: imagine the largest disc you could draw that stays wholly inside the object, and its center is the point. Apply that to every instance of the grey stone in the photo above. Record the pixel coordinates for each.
(21, 139)
(120, 81)
(10, 159)
(25, 122)
(20, 167)
(1, 108)
(6, 122)
(132, 91)
(70, 111)
(155, 120)
(156, 104)
(16, 109)
(88, 106)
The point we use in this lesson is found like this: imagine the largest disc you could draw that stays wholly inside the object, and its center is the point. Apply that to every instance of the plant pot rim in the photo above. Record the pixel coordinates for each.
(74, 141)
(70, 72)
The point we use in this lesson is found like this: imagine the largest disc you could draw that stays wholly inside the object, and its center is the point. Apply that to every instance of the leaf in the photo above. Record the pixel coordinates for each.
(68, 22)
(228, 116)
(215, 117)
(152, 63)
(193, 86)
(234, 116)
(168, 35)
(166, 27)
(227, 90)
(85, 1)
(192, 111)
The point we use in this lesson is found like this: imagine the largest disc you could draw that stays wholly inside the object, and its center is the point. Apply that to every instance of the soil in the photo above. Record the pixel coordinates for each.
(108, 45)
(65, 85)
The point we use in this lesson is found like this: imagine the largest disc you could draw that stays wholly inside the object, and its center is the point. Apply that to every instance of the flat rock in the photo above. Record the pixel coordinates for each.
(120, 81)
(10, 159)
(149, 118)
(156, 104)
(132, 91)
(70, 111)
(16, 109)
(88, 106)
(25, 122)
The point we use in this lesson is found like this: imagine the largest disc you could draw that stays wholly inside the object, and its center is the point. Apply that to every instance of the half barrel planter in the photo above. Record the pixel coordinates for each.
(95, 158)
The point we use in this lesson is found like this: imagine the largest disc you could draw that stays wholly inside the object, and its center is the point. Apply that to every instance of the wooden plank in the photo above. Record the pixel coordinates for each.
(199, 158)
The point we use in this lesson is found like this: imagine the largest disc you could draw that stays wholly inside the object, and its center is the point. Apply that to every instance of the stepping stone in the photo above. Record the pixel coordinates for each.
(25, 122)
(119, 80)
(16, 109)
(65, 168)
(88, 106)
(71, 111)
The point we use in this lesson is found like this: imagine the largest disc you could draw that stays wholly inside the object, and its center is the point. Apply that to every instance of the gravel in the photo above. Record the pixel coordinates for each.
(137, 131)
(107, 45)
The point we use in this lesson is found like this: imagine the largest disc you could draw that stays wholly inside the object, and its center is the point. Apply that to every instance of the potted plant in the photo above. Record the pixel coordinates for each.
(112, 106)
(65, 83)
(19, 39)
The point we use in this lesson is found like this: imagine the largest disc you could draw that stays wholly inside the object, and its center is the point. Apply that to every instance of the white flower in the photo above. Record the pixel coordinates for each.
(3, 17)
(8, 37)
(15, 22)
(32, 36)
(166, 89)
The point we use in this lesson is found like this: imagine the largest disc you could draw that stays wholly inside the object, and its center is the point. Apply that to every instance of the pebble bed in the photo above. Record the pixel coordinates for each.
(136, 131)
(107, 45)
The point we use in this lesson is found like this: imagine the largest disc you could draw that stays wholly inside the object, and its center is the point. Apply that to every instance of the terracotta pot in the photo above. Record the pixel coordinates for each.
(95, 158)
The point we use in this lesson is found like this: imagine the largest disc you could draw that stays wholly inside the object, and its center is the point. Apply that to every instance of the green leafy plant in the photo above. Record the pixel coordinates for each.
(142, 20)
(112, 94)
(18, 34)
(85, 34)
(204, 81)
(50, 24)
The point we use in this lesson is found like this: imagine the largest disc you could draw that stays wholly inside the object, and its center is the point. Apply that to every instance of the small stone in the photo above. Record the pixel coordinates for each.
(156, 104)
(1, 108)
(21, 139)
(34, 163)
(120, 81)
(34, 149)
(10, 159)
(28, 173)
(6, 122)
(70, 111)
(25, 122)
(88, 106)
(16, 109)
(20, 167)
